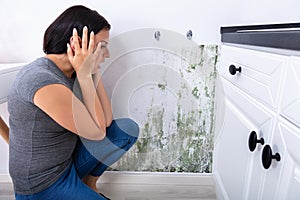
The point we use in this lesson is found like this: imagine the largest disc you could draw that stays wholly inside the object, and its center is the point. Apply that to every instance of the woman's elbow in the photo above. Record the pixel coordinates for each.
(97, 135)
(108, 122)
(101, 135)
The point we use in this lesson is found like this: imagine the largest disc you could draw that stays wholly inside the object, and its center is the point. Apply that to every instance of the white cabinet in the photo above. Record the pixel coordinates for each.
(7, 75)
(264, 97)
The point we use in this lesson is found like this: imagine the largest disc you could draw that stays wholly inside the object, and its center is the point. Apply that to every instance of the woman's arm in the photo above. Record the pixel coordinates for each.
(92, 102)
(105, 101)
(60, 103)
(86, 119)
(4, 130)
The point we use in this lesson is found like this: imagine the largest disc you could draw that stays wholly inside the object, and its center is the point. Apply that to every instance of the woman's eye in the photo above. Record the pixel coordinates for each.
(103, 44)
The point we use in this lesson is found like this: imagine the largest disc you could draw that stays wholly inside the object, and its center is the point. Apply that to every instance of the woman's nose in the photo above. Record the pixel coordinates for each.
(107, 53)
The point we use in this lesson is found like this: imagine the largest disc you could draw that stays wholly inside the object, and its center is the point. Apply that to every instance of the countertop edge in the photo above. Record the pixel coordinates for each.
(282, 36)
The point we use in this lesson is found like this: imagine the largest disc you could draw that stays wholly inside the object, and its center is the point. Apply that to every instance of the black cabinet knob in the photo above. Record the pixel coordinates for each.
(253, 141)
(267, 156)
(233, 69)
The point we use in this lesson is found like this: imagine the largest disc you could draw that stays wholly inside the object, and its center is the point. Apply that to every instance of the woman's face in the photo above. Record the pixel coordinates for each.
(102, 38)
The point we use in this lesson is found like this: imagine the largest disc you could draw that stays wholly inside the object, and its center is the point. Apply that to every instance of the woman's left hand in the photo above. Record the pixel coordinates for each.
(85, 58)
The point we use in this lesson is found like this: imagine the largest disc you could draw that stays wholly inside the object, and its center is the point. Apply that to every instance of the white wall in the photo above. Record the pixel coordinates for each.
(3, 145)
(22, 23)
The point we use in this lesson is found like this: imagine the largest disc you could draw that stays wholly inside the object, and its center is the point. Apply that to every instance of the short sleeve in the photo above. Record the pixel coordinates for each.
(32, 81)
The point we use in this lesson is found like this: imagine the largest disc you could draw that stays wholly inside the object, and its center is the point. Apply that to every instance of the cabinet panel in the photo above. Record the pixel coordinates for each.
(258, 115)
(273, 174)
(239, 171)
(230, 162)
(261, 72)
(289, 184)
(290, 105)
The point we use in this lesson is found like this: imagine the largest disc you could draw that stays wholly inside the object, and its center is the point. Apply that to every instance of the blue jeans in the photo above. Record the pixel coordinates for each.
(90, 158)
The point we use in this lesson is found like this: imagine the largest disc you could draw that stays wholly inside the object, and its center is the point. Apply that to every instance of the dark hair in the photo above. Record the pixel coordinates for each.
(58, 34)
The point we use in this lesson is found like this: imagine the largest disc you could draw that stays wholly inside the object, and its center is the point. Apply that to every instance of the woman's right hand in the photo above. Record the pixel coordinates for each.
(82, 57)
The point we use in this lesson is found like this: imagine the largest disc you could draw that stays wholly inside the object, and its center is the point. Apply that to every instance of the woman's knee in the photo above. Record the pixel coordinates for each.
(128, 126)
(123, 132)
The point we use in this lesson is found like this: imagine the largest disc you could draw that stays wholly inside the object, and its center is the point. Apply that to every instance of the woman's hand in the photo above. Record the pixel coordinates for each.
(84, 59)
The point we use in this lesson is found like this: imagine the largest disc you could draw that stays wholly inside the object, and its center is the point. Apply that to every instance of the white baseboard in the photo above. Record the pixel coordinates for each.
(5, 178)
(162, 178)
(157, 178)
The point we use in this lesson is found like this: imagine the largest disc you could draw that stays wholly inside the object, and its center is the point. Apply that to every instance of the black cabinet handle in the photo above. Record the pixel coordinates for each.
(253, 141)
(233, 69)
(267, 156)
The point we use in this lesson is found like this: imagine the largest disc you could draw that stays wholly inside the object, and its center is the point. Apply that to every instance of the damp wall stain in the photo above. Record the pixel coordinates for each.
(180, 141)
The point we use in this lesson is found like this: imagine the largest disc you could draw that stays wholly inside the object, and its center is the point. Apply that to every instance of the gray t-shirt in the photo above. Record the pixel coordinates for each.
(40, 150)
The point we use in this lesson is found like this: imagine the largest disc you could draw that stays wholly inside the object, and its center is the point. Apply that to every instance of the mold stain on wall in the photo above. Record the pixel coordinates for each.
(179, 141)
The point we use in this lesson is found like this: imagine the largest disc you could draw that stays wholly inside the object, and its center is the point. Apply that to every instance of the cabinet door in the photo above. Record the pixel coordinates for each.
(238, 171)
(289, 183)
(288, 129)
(272, 175)
(290, 105)
(230, 164)
(260, 75)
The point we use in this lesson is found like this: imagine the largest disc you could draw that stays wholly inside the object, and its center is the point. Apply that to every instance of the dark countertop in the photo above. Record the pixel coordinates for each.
(282, 36)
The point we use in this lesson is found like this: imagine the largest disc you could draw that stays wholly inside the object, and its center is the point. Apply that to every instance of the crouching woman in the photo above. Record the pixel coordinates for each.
(62, 135)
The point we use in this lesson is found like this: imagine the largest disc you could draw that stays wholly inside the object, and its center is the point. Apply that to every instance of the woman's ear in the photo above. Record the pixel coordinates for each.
(72, 43)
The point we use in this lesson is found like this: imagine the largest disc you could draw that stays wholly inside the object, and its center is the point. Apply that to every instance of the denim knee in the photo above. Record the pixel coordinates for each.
(128, 126)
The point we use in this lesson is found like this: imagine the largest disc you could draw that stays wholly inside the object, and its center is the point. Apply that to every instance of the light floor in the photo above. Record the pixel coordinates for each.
(122, 191)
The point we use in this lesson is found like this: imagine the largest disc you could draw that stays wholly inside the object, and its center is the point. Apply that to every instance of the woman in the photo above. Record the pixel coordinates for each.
(50, 110)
